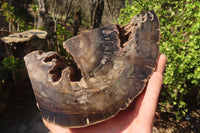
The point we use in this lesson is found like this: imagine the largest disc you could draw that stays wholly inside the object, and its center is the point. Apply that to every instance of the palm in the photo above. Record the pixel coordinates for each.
(138, 117)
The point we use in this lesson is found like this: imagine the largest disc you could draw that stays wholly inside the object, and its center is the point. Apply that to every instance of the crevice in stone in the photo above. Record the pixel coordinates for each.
(61, 64)
(123, 35)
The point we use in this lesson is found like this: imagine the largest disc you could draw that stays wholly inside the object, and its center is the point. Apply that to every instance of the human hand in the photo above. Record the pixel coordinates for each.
(139, 117)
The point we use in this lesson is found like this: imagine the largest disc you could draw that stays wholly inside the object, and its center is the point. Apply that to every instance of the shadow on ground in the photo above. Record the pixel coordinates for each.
(21, 114)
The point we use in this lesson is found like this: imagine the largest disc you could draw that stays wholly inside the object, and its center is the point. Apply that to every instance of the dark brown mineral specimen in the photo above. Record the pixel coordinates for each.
(115, 62)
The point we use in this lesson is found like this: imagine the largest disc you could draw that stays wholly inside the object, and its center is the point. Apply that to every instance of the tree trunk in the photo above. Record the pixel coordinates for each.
(9, 27)
(42, 14)
(77, 22)
(55, 26)
(98, 14)
(35, 19)
(92, 13)
(10, 2)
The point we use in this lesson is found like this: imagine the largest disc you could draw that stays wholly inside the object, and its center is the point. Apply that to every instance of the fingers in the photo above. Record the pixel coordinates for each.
(161, 63)
(150, 99)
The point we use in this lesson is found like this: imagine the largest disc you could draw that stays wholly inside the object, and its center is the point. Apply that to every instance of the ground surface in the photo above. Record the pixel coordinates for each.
(21, 114)
(167, 123)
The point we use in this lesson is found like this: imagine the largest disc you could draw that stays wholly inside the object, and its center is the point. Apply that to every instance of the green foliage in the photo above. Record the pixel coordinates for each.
(8, 12)
(34, 8)
(8, 69)
(13, 19)
(86, 23)
(61, 36)
(10, 63)
(70, 19)
(180, 42)
(57, 38)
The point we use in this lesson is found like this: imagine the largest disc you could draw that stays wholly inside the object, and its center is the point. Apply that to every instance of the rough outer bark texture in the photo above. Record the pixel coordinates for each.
(115, 61)
(43, 13)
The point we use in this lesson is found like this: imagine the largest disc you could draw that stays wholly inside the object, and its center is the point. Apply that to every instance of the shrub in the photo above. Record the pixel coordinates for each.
(10, 69)
(180, 42)
(16, 22)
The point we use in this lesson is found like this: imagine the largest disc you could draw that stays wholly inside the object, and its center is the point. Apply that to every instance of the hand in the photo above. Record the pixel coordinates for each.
(139, 117)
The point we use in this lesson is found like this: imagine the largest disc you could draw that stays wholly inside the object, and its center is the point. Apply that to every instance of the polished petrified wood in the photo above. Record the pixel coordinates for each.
(115, 63)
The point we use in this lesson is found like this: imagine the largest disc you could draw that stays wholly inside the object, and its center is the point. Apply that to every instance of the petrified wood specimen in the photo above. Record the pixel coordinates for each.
(115, 62)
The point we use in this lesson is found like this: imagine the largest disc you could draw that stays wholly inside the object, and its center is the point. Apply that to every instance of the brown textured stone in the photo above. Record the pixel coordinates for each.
(115, 62)
(25, 42)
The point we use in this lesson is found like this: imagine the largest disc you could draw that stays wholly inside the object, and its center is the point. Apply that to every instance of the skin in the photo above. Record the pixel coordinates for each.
(139, 117)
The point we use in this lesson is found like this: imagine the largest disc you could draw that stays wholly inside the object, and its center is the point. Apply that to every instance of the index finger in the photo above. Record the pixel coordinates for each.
(149, 99)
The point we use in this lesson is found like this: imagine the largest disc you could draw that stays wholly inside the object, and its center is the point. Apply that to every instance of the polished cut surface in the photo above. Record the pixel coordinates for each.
(115, 62)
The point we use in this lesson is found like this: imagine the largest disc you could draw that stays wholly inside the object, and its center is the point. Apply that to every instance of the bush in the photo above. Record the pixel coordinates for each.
(9, 69)
(180, 42)
(16, 22)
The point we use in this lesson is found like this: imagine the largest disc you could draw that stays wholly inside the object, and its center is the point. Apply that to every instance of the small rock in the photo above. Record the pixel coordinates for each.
(187, 118)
